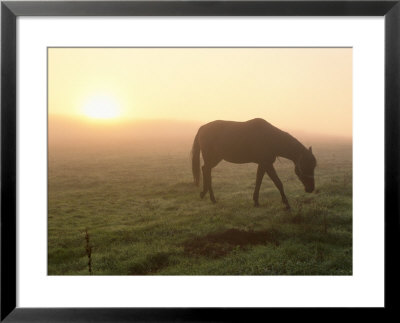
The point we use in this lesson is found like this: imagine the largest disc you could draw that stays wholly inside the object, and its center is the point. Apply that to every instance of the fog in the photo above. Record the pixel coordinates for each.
(69, 135)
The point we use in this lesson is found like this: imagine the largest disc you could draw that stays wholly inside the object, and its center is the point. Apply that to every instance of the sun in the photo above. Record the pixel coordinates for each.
(102, 107)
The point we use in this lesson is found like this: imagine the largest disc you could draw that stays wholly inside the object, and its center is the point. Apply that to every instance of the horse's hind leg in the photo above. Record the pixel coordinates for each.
(259, 178)
(205, 181)
(274, 176)
(212, 197)
(210, 161)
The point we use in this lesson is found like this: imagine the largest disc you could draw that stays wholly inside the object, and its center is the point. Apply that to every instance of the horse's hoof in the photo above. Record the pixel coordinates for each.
(256, 204)
(214, 201)
(202, 195)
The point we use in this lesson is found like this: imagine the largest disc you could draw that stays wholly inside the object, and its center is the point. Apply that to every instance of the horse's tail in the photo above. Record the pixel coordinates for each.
(196, 160)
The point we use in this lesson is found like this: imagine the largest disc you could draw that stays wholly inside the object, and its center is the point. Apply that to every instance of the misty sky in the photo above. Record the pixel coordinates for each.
(293, 88)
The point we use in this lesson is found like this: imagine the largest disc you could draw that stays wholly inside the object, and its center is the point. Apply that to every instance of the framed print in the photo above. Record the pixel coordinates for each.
(192, 160)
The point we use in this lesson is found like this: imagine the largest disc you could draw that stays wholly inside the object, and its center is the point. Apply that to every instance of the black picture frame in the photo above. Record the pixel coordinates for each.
(11, 10)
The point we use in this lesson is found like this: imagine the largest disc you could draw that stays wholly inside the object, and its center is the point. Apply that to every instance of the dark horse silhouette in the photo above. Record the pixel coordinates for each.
(253, 141)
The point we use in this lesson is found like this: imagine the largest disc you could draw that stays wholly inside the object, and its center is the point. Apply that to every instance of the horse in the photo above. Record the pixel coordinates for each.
(253, 141)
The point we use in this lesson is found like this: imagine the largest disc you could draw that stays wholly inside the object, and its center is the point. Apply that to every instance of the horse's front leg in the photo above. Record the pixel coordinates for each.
(274, 176)
(259, 178)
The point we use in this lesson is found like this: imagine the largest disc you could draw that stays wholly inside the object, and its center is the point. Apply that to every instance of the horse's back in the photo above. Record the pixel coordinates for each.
(238, 142)
(252, 124)
(250, 128)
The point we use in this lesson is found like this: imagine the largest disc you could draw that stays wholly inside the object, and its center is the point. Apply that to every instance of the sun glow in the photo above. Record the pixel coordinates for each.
(101, 107)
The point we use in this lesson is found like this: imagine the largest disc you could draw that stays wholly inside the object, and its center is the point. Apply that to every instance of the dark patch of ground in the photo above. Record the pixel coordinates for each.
(215, 245)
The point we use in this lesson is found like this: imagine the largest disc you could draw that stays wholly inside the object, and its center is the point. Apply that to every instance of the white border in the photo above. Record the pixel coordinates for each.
(364, 288)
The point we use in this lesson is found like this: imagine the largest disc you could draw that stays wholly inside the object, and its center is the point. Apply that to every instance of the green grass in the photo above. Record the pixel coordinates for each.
(144, 216)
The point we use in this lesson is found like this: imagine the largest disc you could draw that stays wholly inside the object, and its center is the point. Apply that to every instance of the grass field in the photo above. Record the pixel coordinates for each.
(144, 215)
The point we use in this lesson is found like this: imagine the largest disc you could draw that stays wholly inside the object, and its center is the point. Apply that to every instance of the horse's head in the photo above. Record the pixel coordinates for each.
(304, 169)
